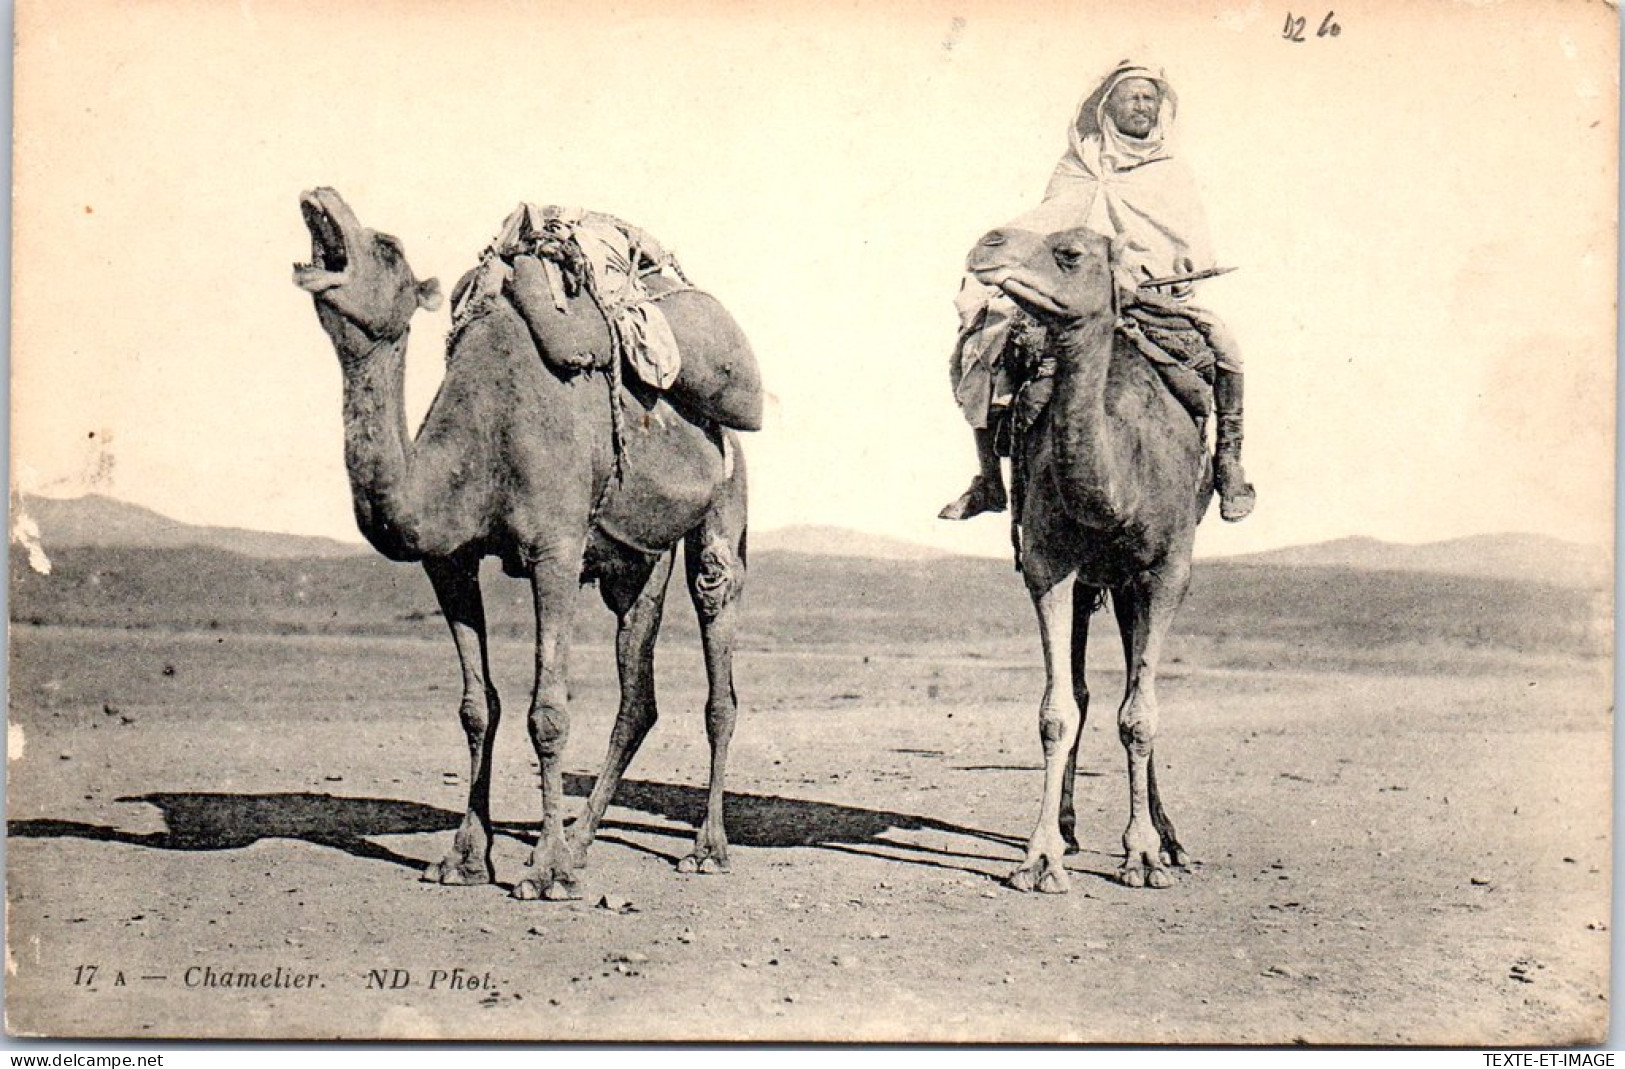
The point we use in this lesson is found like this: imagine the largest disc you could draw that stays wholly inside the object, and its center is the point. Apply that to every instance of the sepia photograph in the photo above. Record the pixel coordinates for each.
(951, 522)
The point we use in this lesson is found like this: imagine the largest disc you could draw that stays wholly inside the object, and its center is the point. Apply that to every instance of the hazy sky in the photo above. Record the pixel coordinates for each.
(1421, 207)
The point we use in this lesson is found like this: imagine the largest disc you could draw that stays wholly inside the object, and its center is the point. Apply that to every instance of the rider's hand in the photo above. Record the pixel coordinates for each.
(1183, 291)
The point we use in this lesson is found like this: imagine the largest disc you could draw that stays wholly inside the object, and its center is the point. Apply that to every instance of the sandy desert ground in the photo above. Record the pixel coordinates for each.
(1382, 853)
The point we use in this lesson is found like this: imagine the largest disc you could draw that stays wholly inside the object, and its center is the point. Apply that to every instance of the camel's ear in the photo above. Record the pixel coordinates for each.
(429, 295)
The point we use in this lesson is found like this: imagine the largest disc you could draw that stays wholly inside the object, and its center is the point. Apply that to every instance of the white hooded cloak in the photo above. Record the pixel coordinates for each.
(1131, 190)
(1134, 190)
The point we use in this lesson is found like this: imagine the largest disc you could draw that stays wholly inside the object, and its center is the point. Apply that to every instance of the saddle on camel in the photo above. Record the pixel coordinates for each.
(543, 256)
(1186, 346)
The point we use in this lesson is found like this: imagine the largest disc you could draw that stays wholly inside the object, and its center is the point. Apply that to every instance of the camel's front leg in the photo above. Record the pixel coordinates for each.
(635, 591)
(456, 585)
(714, 560)
(1058, 723)
(554, 587)
(1145, 612)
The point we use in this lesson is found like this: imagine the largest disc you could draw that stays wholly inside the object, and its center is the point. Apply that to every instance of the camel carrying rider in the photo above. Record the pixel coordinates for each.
(1120, 170)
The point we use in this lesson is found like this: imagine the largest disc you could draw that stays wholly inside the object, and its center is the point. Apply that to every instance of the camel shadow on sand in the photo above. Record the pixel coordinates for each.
(204, 821)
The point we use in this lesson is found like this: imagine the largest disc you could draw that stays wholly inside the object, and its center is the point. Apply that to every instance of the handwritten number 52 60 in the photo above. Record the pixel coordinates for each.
(1296, 24)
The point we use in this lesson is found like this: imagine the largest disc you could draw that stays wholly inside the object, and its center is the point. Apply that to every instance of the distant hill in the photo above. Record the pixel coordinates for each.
(1237, 614)
(826, 541)
(94, 521)
(1352, 602)
(1537, 558)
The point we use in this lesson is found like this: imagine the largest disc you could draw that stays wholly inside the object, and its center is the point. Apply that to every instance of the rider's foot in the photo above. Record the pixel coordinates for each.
(1236, 495)
(984, 495)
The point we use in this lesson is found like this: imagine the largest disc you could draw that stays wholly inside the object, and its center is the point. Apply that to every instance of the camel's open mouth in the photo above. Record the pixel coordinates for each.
(1026, 293)
(328, 255)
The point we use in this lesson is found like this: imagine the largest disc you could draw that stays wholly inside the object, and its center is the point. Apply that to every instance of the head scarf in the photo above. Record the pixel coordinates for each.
(1133, 190)
(1120, 151)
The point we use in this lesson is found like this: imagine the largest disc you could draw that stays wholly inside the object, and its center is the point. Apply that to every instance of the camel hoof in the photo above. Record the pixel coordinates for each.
(704, 865)
(1153, 876)
(532, 889)
(449, 873)
(1042, 875)
(1176, 857)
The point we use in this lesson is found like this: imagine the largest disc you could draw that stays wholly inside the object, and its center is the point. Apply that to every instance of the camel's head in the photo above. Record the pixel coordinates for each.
(359, 277)
(1060, 276)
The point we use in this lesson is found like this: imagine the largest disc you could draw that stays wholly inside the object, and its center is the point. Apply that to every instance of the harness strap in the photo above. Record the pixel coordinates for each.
(617, 343)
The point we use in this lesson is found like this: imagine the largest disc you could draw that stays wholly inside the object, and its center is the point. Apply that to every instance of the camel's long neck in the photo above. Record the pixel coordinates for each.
(377, 451)
(1087, 464)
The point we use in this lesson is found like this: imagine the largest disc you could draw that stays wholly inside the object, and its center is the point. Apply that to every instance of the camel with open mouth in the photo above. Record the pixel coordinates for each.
(529, 464)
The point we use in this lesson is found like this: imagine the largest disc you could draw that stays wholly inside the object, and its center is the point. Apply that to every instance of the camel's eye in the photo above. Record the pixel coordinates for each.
(1068, 257)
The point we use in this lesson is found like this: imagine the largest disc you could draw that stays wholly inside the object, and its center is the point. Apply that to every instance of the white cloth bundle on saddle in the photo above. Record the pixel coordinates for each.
(619, 257)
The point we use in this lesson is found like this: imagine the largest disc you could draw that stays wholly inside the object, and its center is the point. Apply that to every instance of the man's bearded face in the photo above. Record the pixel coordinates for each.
(1133, 106)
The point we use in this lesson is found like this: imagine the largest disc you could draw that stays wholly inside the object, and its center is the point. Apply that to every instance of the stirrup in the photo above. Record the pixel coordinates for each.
(983, 496)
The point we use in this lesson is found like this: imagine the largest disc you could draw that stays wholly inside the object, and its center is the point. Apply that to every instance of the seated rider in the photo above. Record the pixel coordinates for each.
(1119, 167)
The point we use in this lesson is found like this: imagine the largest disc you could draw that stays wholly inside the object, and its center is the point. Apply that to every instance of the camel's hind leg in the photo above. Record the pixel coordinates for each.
(457, 586)
(635, 591)
(1145, 611)
(1083, 606)
(1172, 852)
(1058, 723)
(714, 566)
